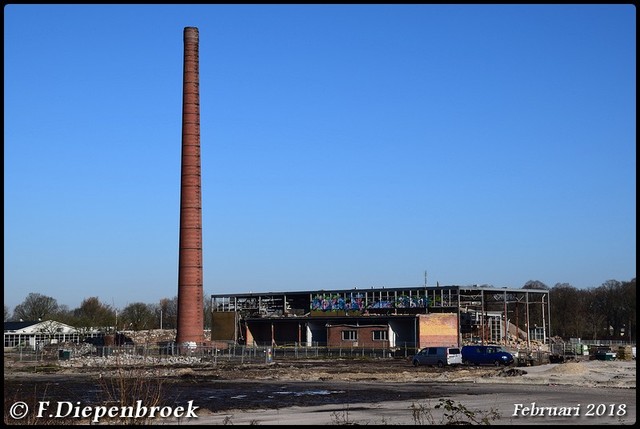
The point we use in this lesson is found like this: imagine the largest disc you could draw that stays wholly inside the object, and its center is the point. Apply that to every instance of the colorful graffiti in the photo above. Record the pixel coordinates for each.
(412, 302)
(336, 302)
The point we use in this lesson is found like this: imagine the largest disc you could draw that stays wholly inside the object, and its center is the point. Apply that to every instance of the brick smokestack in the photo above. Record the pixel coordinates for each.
(190, 327)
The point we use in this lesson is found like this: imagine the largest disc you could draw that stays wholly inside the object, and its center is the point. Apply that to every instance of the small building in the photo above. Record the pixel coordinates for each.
(37, 334)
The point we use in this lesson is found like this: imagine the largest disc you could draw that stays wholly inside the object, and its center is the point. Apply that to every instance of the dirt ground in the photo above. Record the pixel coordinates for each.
(354, 391)
(588, 373)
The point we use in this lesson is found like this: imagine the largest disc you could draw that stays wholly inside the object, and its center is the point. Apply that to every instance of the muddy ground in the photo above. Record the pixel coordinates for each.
(242, 386)
(226, 389)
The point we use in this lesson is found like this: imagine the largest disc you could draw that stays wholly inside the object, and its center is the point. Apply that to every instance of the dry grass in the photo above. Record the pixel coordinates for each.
(123, 388)
(129, 387)
(14, 406)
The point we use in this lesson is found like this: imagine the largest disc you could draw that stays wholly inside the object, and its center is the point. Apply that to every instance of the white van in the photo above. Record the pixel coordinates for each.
(440, 356)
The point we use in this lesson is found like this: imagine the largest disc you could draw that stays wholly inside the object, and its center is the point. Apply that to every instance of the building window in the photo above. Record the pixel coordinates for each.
(349, 335)
(380, 335)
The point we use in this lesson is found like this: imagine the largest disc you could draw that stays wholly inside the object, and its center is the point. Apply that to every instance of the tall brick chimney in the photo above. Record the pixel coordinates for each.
(190, 327)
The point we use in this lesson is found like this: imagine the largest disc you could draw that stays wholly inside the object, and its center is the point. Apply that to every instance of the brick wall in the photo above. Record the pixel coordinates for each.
(437, 329)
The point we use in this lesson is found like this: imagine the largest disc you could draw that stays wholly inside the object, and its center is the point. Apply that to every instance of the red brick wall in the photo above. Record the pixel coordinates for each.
(364, 336)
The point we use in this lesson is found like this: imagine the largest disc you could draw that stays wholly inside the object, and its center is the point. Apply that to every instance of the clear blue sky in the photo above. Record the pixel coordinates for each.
(342, 146)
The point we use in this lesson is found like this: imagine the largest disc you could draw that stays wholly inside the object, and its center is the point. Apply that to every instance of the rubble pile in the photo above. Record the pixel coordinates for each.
(509, 372)
(128, 360)
(625, 352)
(151, 336)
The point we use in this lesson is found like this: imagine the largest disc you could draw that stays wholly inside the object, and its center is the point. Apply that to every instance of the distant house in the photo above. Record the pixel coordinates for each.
(35, 334)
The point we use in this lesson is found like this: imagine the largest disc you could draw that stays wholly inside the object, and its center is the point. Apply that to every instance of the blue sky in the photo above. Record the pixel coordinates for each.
(342, 146)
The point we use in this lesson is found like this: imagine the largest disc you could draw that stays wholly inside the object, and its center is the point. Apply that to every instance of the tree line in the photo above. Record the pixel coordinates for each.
(94, 314)
(606, 312)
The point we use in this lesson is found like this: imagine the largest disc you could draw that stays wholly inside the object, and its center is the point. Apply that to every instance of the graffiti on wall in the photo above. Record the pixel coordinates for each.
(412, 302)
(356, 303)
(334, 302)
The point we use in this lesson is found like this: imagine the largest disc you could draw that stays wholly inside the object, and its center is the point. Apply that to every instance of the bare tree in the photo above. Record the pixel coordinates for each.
(628, 291)
(94, 314)
(596, 313)
(616, 305)
(36, 307)
(563, 298)
(207, 308)
(64, 315)
(580, 313)
(169, 308)
(139, 316)
(535, 284)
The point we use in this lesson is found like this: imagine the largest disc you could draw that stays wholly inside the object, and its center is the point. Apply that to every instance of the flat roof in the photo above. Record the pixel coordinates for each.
(381, 289)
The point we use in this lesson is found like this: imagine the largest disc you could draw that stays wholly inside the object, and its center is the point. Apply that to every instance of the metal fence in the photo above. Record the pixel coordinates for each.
(265, 353)
(173, 353)
(615, 343)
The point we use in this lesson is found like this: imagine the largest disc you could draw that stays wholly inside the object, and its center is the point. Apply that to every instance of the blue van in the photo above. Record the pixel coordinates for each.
(486, 355)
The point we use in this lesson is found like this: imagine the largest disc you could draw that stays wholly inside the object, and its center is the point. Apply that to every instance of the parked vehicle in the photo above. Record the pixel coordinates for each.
(486, 355)
(605, 353)
(440, 356)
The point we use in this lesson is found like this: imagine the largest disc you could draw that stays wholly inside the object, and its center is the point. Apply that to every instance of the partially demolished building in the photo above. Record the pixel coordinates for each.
(384, 317)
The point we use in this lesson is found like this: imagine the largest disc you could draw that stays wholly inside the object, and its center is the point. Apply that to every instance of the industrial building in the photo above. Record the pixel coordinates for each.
(384, 317)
